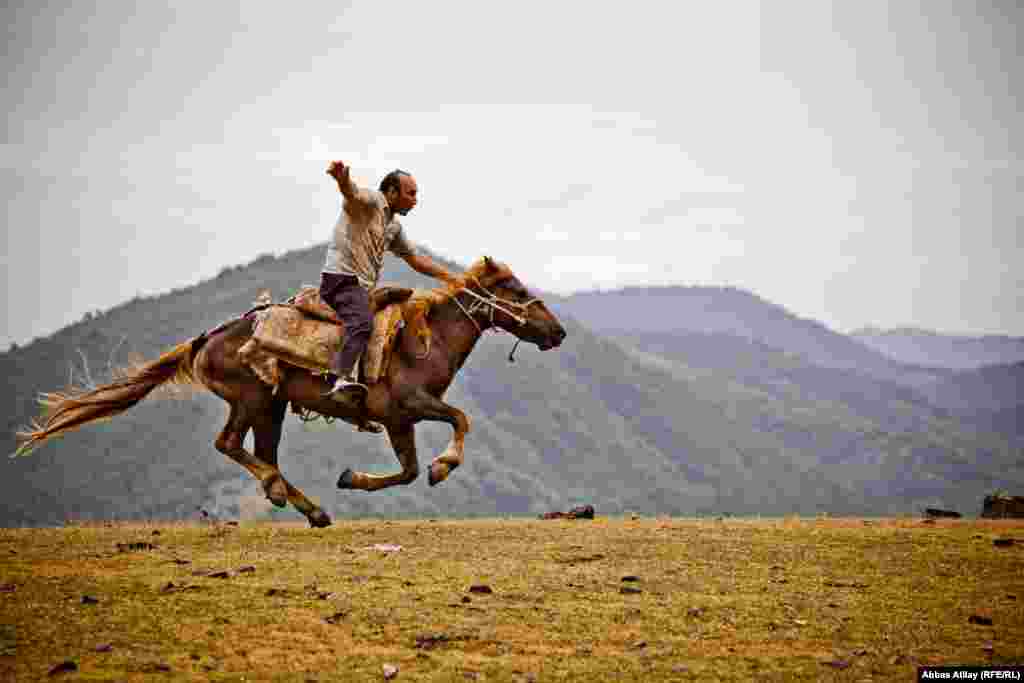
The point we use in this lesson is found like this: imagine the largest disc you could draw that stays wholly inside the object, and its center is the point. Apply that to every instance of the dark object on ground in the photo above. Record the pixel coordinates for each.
(578, 512)
(938, 512)
(979, 620)
(135, 545)
(63, 667)
(998, 506)
(1003, 542)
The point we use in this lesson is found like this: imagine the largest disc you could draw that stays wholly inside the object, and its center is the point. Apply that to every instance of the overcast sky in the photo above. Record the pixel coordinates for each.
(857, 163)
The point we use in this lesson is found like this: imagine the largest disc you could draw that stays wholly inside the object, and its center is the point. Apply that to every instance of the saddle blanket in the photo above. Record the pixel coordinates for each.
(305, 333)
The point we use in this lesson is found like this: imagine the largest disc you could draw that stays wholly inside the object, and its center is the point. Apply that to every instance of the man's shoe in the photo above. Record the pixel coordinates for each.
(346, 385)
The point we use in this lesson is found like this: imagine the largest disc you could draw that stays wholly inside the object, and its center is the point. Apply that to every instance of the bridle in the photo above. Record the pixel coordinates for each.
(494, 303)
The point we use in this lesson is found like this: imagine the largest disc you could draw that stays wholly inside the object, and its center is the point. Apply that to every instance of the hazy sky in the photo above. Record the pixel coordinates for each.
(858, 163)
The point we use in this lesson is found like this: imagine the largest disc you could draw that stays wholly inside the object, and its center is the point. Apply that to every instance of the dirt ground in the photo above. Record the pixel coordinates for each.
(610, 599)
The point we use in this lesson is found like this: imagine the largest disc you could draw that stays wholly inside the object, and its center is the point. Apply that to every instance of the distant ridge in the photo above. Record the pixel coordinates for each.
(953, 351)
(734, 311)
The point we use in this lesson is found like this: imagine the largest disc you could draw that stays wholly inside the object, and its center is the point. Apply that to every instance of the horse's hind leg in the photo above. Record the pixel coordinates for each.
(268, 437)
(403, 440)
(230, 441)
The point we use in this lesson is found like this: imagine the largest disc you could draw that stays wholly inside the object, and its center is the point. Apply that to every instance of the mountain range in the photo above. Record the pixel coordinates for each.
(670, 400)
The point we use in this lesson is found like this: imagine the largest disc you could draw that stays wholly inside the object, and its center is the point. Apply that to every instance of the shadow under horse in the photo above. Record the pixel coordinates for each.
(489, 296)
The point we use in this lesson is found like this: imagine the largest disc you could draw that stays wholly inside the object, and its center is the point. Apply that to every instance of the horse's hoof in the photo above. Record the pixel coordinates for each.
(318, 519)
(277, 492)
(345, 480)
(433, 477)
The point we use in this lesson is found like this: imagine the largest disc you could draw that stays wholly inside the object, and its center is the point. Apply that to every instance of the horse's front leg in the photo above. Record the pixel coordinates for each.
(428, 407)
(403, 440)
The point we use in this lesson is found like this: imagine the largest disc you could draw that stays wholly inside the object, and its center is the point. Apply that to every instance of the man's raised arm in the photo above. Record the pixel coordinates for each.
(340, 172)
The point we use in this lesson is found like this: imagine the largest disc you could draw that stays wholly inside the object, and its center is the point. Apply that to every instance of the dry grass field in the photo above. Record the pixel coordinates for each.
(612, 599)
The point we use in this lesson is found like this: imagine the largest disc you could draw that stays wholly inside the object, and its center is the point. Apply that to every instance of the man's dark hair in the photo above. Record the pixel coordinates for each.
(392, 180)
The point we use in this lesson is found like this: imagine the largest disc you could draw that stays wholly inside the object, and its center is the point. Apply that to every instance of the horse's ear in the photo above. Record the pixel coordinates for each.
(489, 263)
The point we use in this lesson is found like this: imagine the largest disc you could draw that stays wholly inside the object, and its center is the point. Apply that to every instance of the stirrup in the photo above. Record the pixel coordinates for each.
(369, 427)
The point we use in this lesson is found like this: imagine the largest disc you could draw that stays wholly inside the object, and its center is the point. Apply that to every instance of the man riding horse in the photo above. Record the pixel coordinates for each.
(368, 226)
(487, 296)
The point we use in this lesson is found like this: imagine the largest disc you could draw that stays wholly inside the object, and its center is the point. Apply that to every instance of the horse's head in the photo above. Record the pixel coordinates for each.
(512, 307)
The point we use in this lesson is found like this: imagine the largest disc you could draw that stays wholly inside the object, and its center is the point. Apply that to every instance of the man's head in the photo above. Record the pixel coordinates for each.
(399, 187)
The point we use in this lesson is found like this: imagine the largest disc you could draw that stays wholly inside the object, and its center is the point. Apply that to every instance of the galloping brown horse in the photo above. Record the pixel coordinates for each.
(490, 296)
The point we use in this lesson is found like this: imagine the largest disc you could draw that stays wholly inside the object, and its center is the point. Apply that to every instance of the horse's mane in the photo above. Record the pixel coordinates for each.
(485, 271)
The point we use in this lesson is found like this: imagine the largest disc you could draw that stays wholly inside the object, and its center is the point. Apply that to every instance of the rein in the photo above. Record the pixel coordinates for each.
(494, 302)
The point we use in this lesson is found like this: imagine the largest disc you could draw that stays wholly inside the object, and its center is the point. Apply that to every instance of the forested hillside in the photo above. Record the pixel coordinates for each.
(757, 413)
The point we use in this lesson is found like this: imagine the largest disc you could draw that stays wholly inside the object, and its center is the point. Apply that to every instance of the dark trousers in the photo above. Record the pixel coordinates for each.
(351, 302)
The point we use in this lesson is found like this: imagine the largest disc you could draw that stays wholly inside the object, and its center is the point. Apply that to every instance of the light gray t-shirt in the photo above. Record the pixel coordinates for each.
(364, 231)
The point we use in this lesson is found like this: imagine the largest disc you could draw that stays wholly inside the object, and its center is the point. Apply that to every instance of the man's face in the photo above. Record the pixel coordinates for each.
(404, 200)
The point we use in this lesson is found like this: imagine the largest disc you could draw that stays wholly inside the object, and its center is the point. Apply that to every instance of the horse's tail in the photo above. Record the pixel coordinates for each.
(66, 411)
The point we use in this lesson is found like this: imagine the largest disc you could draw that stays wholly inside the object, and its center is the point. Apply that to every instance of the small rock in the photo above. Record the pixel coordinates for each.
(89, 600)
(1003, 542)
(980, 620)
(838, 664)
(680, 669)
(466, 599)
(1011, 596)
(271, 592)
(481, 588)
(135, 545)
(104, 647)
(630, 578)
(860, 653)
(155, 668)
(429, 642)
(390, 671)
(695, 612)
(335, 618)
(630, 590)
(63, 667)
